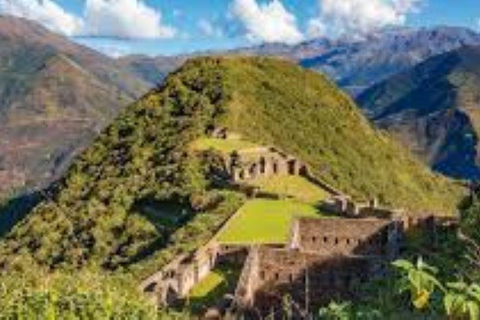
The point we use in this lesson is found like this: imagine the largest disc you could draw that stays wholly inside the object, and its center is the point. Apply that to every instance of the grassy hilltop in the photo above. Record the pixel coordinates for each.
(137, 196)
(274, 102)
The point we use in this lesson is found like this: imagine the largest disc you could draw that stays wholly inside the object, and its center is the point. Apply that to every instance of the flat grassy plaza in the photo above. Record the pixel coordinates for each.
(293, 186)
(263, 221)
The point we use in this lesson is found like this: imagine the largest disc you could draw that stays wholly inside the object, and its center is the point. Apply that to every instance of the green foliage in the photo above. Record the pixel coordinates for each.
(419, 279)
(222, 145)
(93, 217)
(347, 311)
(82, 295)
(462, 301)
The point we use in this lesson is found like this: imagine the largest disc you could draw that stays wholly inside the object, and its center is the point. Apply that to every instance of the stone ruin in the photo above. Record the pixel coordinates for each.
(428, 222)
(176, 279)
(263, 162)
(324, 259)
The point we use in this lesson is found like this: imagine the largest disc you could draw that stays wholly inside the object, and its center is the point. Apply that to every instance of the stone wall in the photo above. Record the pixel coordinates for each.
(324, 259)
(428, 223)
(341, 236)
(233, 254)
(258, 163)
(176, 279)
(249, 281)
(308, 278)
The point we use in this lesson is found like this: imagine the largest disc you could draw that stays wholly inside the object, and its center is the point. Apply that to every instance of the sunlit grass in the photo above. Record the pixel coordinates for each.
(293, 186)
(263, 221)
(222, 145)
(213, 287)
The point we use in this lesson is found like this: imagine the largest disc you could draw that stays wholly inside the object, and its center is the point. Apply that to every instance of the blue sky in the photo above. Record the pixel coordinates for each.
(168, 27)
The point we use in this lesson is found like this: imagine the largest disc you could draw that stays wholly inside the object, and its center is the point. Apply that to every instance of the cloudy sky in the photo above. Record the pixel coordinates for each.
(176, 26)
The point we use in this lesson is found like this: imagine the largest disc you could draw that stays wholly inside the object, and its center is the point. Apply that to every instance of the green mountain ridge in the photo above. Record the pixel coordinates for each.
(101, 213)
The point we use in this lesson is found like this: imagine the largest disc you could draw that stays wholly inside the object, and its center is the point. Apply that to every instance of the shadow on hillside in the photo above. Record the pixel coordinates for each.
(16, 209)
(167, 217)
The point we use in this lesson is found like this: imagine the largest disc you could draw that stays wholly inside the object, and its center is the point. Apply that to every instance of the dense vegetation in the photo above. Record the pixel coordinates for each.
(100, 213)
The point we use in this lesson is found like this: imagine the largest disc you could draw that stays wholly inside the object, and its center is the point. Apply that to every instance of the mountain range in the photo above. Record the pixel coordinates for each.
(434, 108)
(56, 96)
(353, 63)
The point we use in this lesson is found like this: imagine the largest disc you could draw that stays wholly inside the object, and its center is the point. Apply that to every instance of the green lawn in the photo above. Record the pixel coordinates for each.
(293, 186)
(212, 288)
(263, 221)
(222, 145)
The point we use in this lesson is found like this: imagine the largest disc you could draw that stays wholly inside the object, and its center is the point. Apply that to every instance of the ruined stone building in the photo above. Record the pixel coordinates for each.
(324, 259)
(359, 237)
(176, 279)
(262, 162)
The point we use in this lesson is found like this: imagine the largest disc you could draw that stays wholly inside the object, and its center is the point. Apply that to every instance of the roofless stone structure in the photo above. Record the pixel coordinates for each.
(324, 259)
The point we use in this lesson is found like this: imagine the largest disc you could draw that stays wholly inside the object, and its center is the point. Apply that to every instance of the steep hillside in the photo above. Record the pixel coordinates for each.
(434, 109)
(139, 194)
(54, 97)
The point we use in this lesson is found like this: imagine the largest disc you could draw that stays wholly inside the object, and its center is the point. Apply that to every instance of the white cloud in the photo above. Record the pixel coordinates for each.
(103, 18)
(316, 28)
(360, 16)
(124, 19)
(209, 29)
(45, 12)
(270, 22)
